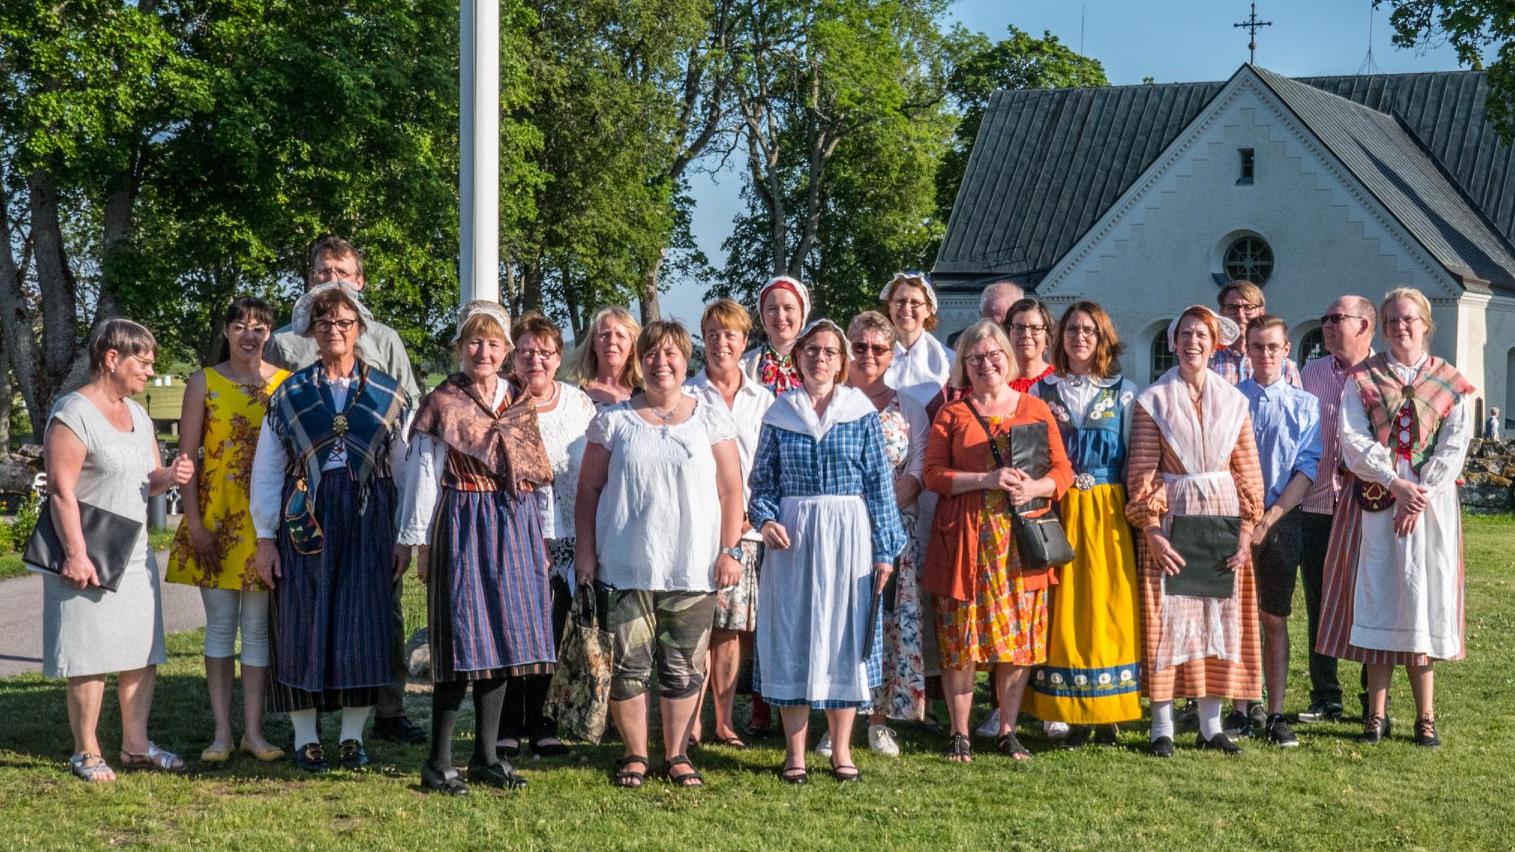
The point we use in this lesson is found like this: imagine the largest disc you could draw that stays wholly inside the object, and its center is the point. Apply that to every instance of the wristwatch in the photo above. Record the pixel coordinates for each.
(734, 551)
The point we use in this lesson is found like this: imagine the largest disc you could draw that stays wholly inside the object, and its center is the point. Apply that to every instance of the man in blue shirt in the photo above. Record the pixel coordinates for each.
(1286, 423)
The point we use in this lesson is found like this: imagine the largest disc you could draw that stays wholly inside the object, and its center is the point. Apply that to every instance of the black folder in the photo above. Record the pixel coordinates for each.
(1205, 542)
(109, 542)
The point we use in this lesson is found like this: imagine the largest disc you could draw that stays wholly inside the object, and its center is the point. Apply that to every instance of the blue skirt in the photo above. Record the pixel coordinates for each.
(334, 609)
(489, 602)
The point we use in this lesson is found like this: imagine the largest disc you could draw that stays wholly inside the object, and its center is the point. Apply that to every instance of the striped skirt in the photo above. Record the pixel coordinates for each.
(489, 602)
(331, 623)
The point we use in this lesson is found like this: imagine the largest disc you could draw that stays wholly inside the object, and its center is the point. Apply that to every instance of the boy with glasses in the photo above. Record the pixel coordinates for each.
(1242, 302)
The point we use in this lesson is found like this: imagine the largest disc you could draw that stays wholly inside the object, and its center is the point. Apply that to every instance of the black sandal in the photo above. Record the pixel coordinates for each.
(1425, 732)
(731, 742)
(794, 775)
(959, 749)
(689, 779)
(448, 783)
(845, 774)
(1008, 745)
(629, 778)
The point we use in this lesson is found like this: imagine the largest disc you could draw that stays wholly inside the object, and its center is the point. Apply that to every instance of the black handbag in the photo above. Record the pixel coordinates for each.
(109, 542)
(1040, 539)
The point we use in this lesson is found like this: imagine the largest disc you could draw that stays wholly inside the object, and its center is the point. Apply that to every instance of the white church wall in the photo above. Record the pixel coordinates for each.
(1159, 248)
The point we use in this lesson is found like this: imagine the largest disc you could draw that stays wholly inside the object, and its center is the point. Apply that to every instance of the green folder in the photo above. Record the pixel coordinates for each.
(1205, 542)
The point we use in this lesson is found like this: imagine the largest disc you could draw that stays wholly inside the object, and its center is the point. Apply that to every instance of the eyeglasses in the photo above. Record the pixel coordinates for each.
(912, 304)
(859, 348)
(1239, 307)
(322, 326)
(1269, 349)
(1404, 321)
(535, 354)
(819, 353)
(995, 358)
(1337, 319)
(1026, 328)
(1081, 331)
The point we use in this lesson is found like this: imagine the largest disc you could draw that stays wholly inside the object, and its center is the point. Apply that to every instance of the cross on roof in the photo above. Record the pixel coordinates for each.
(1252, 25)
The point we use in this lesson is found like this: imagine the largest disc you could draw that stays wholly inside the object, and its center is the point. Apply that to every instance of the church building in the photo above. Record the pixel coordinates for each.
(1149, 198)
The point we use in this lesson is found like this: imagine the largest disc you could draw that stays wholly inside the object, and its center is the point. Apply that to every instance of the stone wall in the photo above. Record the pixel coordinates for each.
(1488, 479)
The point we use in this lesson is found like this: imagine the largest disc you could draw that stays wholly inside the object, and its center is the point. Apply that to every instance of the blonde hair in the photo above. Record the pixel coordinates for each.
(873, 321)
(726, 314)
(1422, 304)
(971, 337)
(659, 332)
(1249, 291)
(587, 363)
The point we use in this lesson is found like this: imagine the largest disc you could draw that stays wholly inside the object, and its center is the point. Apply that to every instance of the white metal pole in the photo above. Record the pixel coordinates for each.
(479, 134)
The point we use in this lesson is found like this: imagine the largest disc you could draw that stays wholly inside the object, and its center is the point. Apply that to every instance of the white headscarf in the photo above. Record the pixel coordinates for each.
(914, 279)
(488, 308)
(1229, 330)
(299, 322)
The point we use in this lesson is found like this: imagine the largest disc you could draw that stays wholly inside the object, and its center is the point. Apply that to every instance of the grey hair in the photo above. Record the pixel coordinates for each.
(127, 338)
(997, 287)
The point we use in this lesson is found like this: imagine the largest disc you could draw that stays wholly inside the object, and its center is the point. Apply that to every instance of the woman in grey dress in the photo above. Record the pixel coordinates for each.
(101, 451)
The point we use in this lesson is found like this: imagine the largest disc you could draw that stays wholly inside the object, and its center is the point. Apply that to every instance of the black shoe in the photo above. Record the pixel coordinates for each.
(1376, 729)
(501, 775)
(1162, 747)
(448, 783)
(1237, 725)
(1077, 738)
(398, 729)
(1188, 718)
(1321, 711)
(1257, 712)
(1107, 735)
(352, 755)
(1279, 733)
(549, 747)
(1220, 742)
(312, 759)
(1425, 732)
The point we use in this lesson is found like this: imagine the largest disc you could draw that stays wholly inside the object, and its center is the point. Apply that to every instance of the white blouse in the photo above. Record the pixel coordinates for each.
(1362, 454)
(658, 522)
(746, 410)
(421, 481)
(563, 434)
(266, 493)
(920, 371)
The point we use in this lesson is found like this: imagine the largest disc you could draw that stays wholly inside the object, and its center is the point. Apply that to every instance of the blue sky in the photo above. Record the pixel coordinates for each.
(1168, 41)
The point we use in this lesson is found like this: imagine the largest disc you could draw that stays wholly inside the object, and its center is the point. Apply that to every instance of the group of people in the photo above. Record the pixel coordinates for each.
(849, 509)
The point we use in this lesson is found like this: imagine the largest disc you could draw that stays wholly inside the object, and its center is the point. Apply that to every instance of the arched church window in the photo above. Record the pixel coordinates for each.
(1160, 359)
(1311, 346)
(1249, 258)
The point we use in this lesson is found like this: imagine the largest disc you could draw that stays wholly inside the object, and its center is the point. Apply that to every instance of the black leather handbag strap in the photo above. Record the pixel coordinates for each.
(999, 459)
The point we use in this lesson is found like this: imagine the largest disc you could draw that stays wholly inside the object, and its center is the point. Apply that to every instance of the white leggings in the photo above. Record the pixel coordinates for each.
(228, 609)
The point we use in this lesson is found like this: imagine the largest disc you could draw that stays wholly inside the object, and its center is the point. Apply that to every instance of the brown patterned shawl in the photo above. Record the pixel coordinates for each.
(506, 442)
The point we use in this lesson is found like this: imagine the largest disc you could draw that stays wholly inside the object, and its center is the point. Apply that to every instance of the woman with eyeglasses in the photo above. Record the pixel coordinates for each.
(323, 506)
(823, 497)
(563, 415)
(990, 609)
(783, 305)
(1093, 670)
(1393, 589)
(921, 363)
(871, 339)
(606, 368)
(1029, 325)
(224, 405)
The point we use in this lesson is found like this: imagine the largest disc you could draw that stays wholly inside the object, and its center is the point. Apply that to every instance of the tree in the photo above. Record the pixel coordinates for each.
(1472, 27)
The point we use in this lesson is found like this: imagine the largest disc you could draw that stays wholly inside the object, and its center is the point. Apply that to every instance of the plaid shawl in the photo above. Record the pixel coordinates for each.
(508, 442)
(303, 415)
(1430, 396)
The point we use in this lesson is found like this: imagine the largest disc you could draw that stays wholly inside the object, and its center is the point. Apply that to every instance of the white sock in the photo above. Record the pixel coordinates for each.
(1209, 717)
(353, 720)
(306, 731)
(1162, 720)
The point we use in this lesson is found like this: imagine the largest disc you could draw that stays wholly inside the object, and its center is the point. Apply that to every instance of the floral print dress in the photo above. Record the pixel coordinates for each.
(903, 692)
(233, 417)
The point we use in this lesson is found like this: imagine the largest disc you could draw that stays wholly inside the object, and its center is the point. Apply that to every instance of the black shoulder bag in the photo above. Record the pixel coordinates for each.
(1040, 540)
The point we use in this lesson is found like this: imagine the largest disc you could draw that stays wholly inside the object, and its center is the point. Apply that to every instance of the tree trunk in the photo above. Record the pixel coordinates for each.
(7, 395)
(647, 294)
(59, 300)
(16, 324)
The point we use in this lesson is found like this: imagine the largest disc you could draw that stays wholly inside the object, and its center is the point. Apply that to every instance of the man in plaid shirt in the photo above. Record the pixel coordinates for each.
(1241, 302)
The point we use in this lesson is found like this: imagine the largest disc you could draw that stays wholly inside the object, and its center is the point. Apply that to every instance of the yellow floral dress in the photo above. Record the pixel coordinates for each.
(233, 415)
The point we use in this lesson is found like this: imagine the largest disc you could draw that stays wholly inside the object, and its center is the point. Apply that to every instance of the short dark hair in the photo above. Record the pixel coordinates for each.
(333, 245)
(535, 324)
(245, 308)
(330, 300)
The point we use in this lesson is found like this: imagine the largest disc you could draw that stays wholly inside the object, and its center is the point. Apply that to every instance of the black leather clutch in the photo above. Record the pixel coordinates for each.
(1205, 542)
(109, 542)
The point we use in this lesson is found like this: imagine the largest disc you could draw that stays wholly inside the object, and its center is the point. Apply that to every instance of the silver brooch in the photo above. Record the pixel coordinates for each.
(1084, 482)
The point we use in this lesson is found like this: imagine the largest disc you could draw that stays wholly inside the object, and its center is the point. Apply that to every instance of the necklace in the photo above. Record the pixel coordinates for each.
(551, 398)
(664, 417)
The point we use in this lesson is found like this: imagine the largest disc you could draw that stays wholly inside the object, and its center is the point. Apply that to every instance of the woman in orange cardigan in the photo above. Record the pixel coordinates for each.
(990, 611)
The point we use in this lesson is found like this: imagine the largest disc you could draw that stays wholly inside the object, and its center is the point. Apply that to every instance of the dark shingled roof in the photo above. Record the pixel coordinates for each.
(1048, 163)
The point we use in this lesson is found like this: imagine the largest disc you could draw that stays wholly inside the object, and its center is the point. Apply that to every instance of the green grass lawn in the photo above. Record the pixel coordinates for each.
(1329, 793)
(10, 563)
